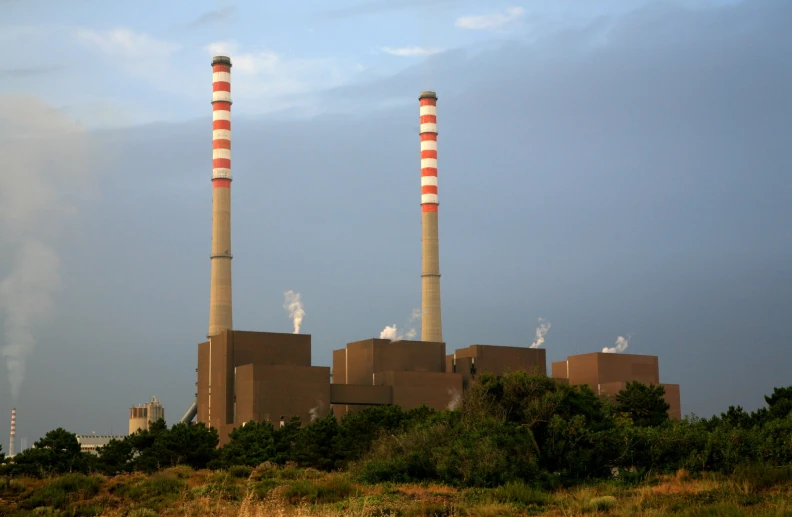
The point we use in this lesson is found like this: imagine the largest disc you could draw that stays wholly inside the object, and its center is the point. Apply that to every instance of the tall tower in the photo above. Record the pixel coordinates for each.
(220, 292)
(431, 322)
(12, 437)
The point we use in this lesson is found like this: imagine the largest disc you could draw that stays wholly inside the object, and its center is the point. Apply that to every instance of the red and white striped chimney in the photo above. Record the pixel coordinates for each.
(13, 433)
(220, 314)
(431, 321)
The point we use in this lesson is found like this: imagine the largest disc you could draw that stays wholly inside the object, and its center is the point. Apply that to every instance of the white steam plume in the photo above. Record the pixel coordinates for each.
(541, 332)
(621, 345)
(314, 411)
(46, 168)
(392, 331)
(456, 399)
(293, 304)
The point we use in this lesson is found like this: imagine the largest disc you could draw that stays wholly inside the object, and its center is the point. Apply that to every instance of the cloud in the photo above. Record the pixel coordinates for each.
(276, 81)
(494, 21)
(122, 42)
(24, 72)
(410, 51)
(380, 6)
(210, 17)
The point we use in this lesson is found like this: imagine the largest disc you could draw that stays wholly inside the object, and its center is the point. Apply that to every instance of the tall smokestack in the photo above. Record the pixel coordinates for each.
(220, 293)
(13, 433)
(431, 322)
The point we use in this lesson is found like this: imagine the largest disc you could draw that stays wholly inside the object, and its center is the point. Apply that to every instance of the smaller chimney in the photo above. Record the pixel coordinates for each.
(13, 433)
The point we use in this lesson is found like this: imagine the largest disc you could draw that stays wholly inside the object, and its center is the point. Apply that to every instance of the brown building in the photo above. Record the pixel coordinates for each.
(496, 360)
(261, 376)
(406, 373)
(607, 374)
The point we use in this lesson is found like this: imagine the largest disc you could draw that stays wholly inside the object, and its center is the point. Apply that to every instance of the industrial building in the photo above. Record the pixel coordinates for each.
(143, 415)
(91, 443)
(247, 376)
(607, 374)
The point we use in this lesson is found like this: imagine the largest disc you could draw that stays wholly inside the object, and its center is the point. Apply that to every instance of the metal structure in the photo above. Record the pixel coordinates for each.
(220, 318)
(12, 436)
(431, 320)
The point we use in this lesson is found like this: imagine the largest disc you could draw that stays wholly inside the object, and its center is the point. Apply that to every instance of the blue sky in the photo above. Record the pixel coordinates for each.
(619, 168)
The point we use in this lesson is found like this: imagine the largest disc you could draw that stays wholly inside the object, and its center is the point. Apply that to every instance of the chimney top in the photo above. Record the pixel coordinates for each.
(427, 95)
(221, 60)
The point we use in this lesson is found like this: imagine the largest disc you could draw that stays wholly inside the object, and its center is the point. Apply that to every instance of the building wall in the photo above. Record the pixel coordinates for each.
(414, 389)
(496, 360)
(607, 374)
(269, 392)
(672, 396)
(339, 366)
(226, 352)
(202, 383)
(559, 370)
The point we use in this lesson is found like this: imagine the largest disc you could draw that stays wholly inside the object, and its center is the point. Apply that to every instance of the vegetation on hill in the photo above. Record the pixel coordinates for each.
(515, 438)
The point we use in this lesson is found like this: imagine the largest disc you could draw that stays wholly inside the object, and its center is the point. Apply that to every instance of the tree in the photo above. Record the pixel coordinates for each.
(251, 444)
(116, 456)
(779, 404)
(314, 444)
(58, 452)
(645, 404)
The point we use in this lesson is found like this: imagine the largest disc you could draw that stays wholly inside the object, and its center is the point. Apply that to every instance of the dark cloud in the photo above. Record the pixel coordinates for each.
(211, 17)
(380, 6)
(19, 73)
(633, 180)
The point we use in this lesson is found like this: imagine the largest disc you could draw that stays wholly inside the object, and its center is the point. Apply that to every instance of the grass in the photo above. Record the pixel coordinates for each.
(269, 490)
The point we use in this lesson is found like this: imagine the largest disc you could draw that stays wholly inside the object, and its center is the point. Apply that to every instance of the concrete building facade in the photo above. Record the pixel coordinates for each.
(143, 415)
(607, 374)
(260, 376)
(496, 360)
(406, 373)
(91, 443)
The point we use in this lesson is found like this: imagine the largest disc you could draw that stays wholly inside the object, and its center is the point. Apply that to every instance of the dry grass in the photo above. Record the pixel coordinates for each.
(293, 493)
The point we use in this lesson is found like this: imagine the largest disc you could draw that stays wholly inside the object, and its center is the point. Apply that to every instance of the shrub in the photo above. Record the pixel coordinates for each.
(519, 493)
(605, 502)
(240, 471)
(324, 491)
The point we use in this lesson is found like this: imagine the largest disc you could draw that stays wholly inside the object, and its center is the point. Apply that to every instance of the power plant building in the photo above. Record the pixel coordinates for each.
(247, 376)
(607, 374)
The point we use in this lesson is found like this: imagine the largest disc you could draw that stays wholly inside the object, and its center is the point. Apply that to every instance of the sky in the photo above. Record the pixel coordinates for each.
(616, 168)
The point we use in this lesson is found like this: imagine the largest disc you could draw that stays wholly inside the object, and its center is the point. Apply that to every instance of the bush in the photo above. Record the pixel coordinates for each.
(521, 494)
(605, 502)
(761, 477)
(325, 491)
(240, 471)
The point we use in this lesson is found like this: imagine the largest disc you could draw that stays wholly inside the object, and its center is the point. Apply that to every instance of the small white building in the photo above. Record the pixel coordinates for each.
(90, 443)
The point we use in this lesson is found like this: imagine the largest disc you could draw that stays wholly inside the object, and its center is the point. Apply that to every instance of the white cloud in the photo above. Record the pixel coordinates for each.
(495, 21)
(275, 80)
(128, 44)
(410, 51)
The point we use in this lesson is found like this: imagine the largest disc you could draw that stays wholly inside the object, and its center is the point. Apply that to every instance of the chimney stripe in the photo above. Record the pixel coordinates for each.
(220, 315)
(431, 323)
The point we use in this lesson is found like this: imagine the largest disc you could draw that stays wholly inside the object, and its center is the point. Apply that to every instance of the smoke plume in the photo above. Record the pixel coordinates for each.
(293, 304)
(46, 168)
(392, 331)
(621, 345)
(541, 332)
(456, 399)
(314, 411)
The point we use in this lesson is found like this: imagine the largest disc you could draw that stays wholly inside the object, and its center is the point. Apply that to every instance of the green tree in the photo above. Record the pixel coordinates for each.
(58, 452)
(645, 404)
(116, 456)
(358, 430)
(314, 444)
(779, 403)
(251, 444)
